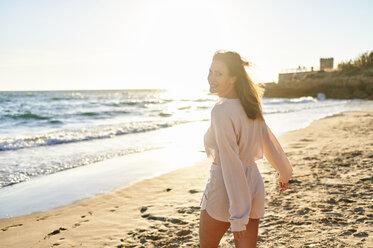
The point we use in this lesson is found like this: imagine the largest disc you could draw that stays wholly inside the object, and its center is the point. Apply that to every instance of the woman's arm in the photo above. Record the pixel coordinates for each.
(275, 155)
(233, 171)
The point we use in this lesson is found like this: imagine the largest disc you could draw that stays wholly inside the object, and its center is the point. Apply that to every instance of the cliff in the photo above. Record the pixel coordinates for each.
(355, 83)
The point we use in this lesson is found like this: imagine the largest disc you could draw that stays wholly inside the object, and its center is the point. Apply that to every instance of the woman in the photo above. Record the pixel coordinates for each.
(237, 136)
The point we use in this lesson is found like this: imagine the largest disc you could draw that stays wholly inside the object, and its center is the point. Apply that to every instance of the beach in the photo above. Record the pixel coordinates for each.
(328, 203)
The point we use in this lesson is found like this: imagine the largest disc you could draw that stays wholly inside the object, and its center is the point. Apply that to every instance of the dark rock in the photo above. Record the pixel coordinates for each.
(361, 234)
(177, 221)
(359, 209)
(143, 209)
(346, 200)
(183, 232)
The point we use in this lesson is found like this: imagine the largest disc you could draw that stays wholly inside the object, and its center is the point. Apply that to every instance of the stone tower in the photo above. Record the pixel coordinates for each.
(326, 63)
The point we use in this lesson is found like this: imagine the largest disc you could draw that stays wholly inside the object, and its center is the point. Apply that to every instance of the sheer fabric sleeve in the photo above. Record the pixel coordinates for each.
(232, 169)
(275, 154)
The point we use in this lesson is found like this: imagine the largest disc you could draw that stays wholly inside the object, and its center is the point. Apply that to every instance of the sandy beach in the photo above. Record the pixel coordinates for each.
(329, 202)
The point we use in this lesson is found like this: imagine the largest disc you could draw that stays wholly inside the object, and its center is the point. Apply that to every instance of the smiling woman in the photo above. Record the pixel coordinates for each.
(237, 137)
(221, 82)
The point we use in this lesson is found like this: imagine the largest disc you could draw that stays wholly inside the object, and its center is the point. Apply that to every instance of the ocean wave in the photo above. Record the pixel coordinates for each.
(55, 122)
(89, 113)
(304, 99)
(165, 114)
(13, 175)
(83, 134)
(199, 100)
(103, 113)
(62, 98)
(4, 100)
(184, 108)
(276, 101)
(35, 118)
(326, 104)
(137, 103)
(26, 116)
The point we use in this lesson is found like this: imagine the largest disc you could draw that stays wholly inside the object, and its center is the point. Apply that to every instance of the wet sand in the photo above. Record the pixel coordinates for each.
(329, 202)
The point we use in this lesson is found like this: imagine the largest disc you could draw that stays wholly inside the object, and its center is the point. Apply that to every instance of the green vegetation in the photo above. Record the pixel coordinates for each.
(364, 60)
(361, 65)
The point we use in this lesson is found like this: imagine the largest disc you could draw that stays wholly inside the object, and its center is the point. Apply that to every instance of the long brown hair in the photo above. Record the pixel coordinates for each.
(248, 92)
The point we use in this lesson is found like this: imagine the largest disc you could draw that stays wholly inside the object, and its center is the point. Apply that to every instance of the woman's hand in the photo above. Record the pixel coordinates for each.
(283, 186)
(238, 235)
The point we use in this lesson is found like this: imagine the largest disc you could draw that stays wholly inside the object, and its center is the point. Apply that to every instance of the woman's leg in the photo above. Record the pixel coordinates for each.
(251, 235)
(211, 230)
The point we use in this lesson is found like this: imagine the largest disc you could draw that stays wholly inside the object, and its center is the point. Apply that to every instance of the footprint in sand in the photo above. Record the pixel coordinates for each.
(310, 158)
(160, 237)
(164, 219)
(193, 191)
(115, 209)
(143, 209)
(348, 232)
(297, 145)
(43, 218)
(165, 231)
(361, 235)
(57, 231)
(188, 210)
(12, 226)
(183, 232)
(80, 222)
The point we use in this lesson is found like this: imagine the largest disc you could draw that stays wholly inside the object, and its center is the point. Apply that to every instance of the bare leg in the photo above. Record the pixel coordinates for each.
(251, 235)
(211, 230)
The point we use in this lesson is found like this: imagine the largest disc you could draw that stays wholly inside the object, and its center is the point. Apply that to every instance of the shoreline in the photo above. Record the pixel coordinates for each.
(164, 210)
(59, 189)
(67, 187)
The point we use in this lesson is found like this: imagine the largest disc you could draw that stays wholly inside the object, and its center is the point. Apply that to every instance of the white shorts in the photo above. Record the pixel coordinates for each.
(215, 198)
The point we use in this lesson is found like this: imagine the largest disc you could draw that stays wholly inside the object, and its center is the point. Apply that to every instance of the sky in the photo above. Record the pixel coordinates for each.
(137, 44)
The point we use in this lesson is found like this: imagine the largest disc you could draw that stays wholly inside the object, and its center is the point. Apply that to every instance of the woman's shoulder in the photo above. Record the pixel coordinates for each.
(226, 107)
(227, 103)
(231, 109)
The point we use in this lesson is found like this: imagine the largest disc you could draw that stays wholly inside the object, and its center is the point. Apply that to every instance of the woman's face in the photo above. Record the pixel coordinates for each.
(221, 83)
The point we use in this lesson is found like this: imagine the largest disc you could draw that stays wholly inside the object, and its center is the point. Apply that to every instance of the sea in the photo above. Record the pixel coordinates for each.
(57, 147)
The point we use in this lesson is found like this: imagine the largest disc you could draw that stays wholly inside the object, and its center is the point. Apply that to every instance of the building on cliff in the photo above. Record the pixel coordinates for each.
(326, 64)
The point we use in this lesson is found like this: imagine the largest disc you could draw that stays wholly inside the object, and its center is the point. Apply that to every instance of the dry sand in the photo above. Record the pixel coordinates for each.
(329, 202)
